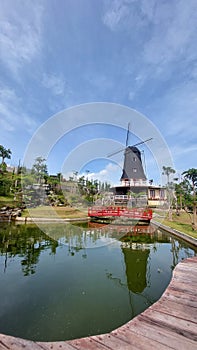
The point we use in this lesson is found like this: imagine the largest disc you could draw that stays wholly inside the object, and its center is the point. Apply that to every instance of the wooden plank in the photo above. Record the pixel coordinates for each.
(182, 287)
(60, 345)
(9, 342)
(138, 341)
(189, 261)
(87, 343)
(113, 342)
(153, 332)
(180, 298)
(178, 310)
(186, 276)
(181, 291)
(3, 346)
(178, 325)
(183, 276)
(189, 269)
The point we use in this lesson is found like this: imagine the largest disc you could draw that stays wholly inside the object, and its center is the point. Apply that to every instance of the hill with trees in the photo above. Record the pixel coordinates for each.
(23, 188)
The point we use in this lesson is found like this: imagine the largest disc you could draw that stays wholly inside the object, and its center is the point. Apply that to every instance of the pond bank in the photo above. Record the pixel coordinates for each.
(176, 233)
(35, 220)
(59, 220)
(169, 323)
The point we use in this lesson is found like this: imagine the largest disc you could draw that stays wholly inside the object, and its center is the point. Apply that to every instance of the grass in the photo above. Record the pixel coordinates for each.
(62, 212)
(7, 201)
(181, 223)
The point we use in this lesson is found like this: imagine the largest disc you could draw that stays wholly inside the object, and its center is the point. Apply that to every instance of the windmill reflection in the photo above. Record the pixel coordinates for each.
(136, 265)
(136, 254)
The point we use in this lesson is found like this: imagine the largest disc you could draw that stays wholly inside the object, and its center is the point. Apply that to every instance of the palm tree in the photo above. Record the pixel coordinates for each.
(191, 176)
(167, 170)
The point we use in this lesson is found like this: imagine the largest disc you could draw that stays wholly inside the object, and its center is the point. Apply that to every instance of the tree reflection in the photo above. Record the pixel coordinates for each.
(26, 242)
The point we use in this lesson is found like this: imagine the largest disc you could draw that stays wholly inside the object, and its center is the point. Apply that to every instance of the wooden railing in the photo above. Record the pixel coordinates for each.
(133, 213)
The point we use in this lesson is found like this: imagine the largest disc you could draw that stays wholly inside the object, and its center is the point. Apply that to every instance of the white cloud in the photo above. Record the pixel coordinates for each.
(111, 174)
(181, 150)
(20, 33)
(55, 83)
(131, 95)
(173, 34)
(166, 31)
(124, 14)
(12, 114)
(115, 14)
(180, 105)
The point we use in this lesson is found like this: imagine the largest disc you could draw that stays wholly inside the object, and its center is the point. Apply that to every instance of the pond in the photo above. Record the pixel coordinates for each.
(78, 280)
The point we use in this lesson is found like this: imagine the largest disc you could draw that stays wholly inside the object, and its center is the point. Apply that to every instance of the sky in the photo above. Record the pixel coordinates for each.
(138, 54)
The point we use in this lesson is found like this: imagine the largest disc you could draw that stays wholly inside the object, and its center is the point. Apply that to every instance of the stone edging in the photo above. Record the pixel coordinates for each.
(176, 233)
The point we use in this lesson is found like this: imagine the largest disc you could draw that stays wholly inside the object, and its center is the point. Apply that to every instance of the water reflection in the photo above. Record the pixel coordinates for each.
(136, 269)
(26, 242)
(81, 280)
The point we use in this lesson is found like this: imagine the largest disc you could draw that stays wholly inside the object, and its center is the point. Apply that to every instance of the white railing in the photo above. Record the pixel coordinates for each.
(121, 196)
(134, 183)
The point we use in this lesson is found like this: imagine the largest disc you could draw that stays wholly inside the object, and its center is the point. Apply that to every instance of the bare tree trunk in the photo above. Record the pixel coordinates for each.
(169, 206)
(194, 223)
(170, 214)
(181, 202)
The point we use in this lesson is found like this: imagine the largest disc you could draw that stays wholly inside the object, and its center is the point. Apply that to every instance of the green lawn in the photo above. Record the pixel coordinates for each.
(7, 201)
(63, 212)
(181, 223)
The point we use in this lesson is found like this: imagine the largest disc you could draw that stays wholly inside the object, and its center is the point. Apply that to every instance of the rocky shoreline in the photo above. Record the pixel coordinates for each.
(10, 214)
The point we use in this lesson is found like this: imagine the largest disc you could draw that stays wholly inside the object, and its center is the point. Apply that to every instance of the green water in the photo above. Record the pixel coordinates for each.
(77, 281)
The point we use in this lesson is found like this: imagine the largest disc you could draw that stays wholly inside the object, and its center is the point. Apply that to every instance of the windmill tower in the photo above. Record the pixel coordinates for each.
(133, 171)
(133, 179)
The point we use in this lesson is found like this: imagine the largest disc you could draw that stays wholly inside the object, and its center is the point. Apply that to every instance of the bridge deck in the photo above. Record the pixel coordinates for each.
(132, 213)
(171, 323)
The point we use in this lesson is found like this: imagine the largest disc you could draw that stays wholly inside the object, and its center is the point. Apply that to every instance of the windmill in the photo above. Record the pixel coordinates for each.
(132, 168)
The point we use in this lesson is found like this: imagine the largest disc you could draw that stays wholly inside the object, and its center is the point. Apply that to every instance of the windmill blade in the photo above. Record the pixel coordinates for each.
(140, 143)
(127, 139)
(123, 149)
(115, 152)
(137, 144)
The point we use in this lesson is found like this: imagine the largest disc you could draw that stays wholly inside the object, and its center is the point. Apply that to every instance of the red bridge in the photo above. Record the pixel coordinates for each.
(131, 213)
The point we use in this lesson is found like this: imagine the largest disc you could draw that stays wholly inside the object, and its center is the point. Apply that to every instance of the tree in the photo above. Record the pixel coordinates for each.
(4, 153)
(182, 191)
(191, 176)
(40, 169)
(5, 184)
(167, 170)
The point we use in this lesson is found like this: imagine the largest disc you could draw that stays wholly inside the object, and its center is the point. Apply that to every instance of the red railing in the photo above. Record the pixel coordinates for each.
(133, 213)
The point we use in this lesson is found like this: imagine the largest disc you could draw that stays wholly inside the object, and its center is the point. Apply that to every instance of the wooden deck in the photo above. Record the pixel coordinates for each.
(171, 323)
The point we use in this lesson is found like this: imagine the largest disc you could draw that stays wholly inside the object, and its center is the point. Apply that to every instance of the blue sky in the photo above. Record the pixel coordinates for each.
(136, 53)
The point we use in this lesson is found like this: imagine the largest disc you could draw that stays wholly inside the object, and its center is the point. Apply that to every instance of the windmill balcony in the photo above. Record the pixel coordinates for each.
(121, 196)
(133, 183)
